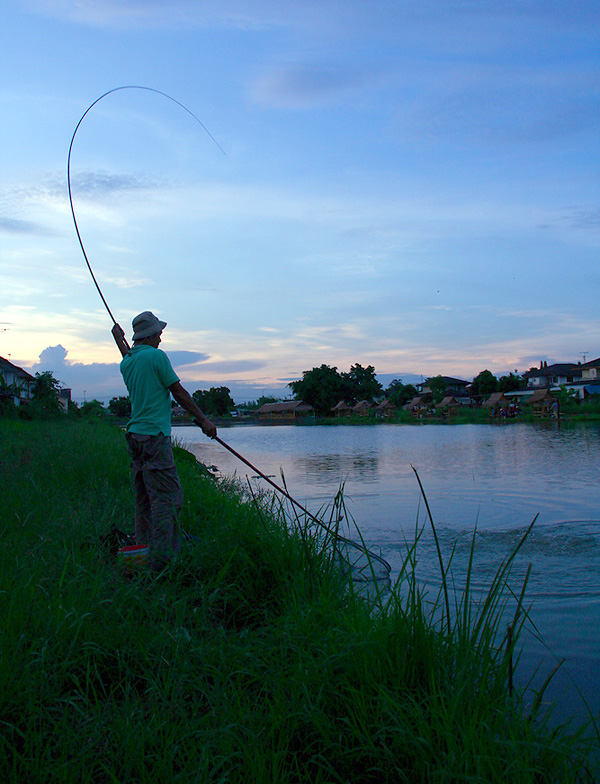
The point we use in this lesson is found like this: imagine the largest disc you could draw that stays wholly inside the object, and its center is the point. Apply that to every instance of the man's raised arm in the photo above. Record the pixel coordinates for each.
(185, 400)
(119, 336)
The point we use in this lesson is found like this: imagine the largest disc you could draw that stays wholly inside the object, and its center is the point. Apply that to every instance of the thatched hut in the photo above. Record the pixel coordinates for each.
(289, 410)
(447, 405)
(362, 408)
(385, 409)
(496, 400)
(497, 403)
(341, 409)
(419, 405)
(542, 402)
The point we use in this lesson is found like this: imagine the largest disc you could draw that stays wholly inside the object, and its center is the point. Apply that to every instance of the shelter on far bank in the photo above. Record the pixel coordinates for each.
(496, 400)
(448, 405)
(362, 408)
(289, 410)
(542, 403)
(341, 409)
(497, 403)
(385, 409)
(419, 405)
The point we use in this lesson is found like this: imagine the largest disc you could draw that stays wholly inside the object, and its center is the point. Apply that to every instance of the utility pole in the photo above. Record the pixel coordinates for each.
(584, 355)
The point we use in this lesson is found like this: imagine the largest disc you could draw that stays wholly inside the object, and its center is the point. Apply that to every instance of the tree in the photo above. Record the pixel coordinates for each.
(322, 387)
(511, 382)
(485, 383)
(93, 409)
(362, 384)
(215, 401)
(45, 393)
(437, 385)
(399, 393)
(120, 406)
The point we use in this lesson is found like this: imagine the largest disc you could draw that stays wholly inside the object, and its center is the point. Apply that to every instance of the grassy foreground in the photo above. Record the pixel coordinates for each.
(249, 662)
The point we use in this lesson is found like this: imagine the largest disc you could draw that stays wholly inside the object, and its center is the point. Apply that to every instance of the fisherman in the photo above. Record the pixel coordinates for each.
(150, 381)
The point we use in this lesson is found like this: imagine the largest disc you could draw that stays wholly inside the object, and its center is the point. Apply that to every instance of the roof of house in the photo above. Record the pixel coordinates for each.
(558, 369)
(6, 365)
(448, 379)
(591, 363)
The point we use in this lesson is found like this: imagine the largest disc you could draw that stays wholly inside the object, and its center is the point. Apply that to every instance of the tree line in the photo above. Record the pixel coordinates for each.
(323, 387)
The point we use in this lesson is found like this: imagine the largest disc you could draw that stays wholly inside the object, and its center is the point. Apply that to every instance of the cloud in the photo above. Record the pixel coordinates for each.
(100, 184)
(181, 359)
(226, 367)
(582, 218)
(16, 226)
(128, 14)
(307, 85)
(102, 380)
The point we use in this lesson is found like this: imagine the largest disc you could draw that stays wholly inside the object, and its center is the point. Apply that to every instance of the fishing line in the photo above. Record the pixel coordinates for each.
(91, 106)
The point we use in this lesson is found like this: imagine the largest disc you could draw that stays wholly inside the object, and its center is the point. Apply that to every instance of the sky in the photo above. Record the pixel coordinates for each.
(408, 184)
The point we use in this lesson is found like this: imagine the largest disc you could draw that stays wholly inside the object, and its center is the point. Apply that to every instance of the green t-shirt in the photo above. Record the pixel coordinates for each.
(148, 374)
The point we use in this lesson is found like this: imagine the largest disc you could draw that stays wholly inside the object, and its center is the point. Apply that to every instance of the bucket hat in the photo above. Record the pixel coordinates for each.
(146, 324)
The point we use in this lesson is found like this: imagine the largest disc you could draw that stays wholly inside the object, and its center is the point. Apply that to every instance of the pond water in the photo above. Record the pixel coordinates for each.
(496, 478)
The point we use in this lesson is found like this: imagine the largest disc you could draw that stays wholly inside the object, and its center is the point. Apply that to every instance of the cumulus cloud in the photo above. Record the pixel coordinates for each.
(103, 381)
(98, 380)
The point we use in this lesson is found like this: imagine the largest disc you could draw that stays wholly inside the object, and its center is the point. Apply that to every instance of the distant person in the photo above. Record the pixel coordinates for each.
(555, 409)
(150, 381)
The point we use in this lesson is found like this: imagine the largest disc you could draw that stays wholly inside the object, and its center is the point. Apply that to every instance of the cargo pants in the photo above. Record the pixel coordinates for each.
(158, 496)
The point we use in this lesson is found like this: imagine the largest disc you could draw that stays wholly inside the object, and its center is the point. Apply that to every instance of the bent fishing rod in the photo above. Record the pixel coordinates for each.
(97, 285)
(81, 119)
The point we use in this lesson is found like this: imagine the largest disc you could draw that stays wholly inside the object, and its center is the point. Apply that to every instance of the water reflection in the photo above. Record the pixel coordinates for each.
(319, 469)
(495, 478)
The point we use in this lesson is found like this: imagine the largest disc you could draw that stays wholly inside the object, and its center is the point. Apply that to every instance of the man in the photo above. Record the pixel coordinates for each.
(150, 381)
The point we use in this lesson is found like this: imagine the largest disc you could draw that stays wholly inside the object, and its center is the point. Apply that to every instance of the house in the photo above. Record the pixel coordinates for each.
(15, 383)
(590, 371)
(590, 379)
(64, 398)
(454, 386)
(559, 374)
(287, 411)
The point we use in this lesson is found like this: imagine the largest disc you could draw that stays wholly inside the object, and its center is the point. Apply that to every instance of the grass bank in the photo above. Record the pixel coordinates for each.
(249, 662)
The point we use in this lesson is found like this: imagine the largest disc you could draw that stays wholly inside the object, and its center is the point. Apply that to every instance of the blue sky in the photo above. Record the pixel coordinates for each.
(411, 185)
